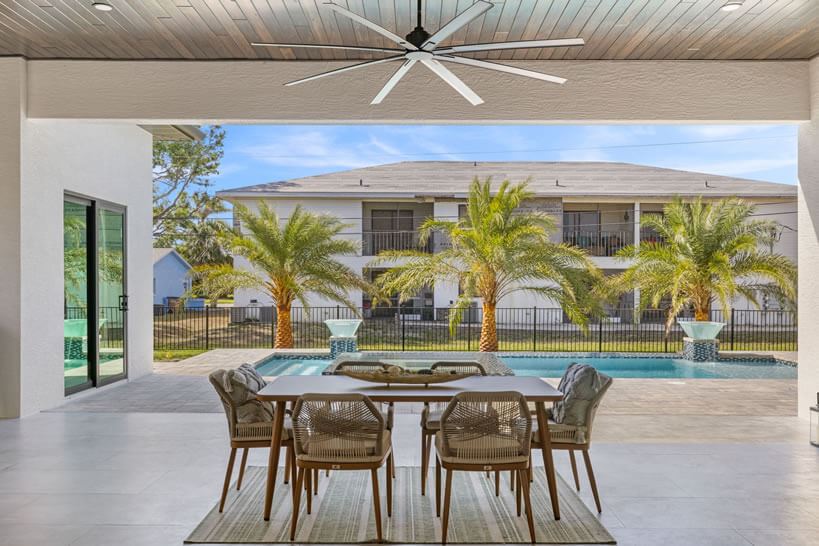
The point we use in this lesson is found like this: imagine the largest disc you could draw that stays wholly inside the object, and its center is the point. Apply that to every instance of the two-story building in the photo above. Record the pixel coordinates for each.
(597, 206)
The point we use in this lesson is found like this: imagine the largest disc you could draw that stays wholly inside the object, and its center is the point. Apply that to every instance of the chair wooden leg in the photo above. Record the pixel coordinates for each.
(511, 480)
(242, 468)
(424, 463)
(228, 472)
(308, 489)
(574, 470)
(592, 481)
(518, 491)
(447, 497)
(376, 504)
(291, 456)
(530, 518)
(437, 487)
(315, 481)
(294, 518)
(389, 485)
(327, 473)
(497, 483)
(287, 465)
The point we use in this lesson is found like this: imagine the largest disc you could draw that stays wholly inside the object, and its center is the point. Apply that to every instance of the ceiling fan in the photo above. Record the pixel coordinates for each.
(419, 46)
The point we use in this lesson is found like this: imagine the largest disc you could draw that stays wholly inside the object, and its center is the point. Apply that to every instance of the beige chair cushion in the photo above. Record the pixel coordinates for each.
(580, 385)
(431, 418)
(559, 433)
(241, 385)
(337, 450)
(476, 452)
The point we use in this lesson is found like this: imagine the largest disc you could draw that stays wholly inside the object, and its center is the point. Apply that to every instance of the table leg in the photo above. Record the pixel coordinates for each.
(273, 461)
(548, 461)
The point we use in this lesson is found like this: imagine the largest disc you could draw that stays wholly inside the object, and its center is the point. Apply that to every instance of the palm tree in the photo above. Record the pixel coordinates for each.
(494, 251)
(291, 258)
(706, 252)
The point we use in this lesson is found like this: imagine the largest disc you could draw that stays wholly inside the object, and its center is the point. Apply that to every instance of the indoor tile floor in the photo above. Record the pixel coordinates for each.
(101, 478)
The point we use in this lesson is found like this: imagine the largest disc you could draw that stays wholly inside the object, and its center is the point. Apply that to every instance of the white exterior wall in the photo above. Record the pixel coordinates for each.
(170, 278)
(809, 250)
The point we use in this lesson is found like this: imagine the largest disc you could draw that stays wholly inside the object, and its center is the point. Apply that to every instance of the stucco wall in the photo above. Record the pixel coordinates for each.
(102, 161)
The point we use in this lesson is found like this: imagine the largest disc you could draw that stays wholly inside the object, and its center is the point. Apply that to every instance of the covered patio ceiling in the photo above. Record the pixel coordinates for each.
(224, 29)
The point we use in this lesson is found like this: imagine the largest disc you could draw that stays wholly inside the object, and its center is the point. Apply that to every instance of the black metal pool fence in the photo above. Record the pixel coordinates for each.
(427, 328)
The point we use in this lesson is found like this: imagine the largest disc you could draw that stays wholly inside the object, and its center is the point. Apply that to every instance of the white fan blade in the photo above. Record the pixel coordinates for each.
(393, 81)
(317, 46)
(459, 21)
(454, 82)
(502, 68)
(344, 69)
(369, 24)
(563, 42)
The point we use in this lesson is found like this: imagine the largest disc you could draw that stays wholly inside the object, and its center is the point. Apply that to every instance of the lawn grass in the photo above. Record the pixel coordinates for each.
(172, 355)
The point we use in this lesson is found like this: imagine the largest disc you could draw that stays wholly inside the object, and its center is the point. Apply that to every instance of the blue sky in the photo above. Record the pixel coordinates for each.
(263, 153)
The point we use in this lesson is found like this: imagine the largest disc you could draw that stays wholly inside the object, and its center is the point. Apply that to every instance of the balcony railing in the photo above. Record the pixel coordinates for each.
(598, 243)
(374, 242)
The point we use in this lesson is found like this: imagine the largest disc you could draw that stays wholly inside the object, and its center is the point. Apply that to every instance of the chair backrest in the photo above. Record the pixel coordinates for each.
(217, 379)
(337, 426)
(591, 412)
(483, 427)
(359, 366)
(458, 367)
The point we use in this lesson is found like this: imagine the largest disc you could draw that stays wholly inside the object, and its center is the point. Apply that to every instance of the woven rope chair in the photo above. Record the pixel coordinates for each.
(573, 438)
(484, 431)
(431, 415)
(246, 436)
(340, 432)
(367, 366)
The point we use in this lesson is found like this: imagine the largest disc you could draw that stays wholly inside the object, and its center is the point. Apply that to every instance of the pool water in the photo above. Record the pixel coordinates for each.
(622, 367)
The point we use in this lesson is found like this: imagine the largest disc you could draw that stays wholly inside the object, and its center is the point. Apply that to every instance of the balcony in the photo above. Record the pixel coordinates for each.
(598, 242)
(374, 242)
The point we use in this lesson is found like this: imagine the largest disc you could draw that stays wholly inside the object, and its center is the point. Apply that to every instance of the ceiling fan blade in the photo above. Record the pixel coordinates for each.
(466, 48)
(344, 69)
(502, 68)
(459, 21)
(393, 81)
(372, 26)
(454, 82)
(318, 46)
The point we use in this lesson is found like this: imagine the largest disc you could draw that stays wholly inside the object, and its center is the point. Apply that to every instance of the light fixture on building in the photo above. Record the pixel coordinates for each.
(102, 6)
(814, 423)
(731, 6)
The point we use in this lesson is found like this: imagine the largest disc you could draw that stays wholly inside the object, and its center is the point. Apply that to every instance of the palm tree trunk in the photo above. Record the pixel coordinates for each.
(702, 314)
(489, 331)
(284, 328)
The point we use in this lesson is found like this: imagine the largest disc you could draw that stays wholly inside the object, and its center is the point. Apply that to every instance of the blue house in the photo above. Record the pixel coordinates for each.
(171, 278)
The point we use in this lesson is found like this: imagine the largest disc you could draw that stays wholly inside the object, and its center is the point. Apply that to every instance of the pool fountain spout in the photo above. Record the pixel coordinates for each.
(700, 343)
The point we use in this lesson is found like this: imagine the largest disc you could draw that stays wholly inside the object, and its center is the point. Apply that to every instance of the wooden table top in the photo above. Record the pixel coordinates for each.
(289, 387)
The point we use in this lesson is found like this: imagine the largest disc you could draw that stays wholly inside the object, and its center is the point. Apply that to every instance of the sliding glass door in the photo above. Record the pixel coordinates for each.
(95, 304)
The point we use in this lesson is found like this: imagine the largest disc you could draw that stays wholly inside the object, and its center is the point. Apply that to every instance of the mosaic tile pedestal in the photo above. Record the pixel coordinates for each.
(700, 350)
(340, 344)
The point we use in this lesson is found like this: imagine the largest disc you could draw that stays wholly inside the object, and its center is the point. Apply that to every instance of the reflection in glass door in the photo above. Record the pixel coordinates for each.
(95, 304)
(77, 356)
(113, 302)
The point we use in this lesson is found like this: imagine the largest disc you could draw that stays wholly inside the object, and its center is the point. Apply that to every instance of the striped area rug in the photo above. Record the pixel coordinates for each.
(343, 513)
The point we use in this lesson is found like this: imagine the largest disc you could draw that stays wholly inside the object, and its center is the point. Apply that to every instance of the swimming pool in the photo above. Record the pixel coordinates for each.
(658, 367)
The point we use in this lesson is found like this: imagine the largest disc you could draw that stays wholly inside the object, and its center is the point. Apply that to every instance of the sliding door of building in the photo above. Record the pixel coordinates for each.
(95, 302)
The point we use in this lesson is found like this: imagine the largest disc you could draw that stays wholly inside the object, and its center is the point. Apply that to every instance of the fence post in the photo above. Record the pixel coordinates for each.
(468, 328)
(207, 327)
(733, 318)
(534, 328)
(600, 336)
(403, 330)
(338, 311)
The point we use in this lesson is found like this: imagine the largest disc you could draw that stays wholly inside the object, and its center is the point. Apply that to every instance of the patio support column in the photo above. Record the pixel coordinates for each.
(809, 250)
(12, 118)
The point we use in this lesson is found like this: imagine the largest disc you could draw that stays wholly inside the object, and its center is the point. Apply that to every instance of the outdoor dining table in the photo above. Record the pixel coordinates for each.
(286, 389)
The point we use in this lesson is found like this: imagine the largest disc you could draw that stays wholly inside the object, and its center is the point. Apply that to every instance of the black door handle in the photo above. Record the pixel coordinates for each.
(123, 302)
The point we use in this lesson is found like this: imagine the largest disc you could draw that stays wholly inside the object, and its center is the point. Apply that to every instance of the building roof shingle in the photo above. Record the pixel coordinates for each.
(567, 178)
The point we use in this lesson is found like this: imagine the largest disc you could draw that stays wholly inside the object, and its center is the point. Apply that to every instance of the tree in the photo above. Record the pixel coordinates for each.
(494, 251)
(292, 258)
(706, 252)
(182, 171)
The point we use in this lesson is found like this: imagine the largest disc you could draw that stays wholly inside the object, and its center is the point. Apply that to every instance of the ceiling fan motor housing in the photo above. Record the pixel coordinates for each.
(418, 36)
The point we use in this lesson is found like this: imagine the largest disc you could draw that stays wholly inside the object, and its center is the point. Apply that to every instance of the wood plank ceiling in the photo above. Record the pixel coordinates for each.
(223, 29)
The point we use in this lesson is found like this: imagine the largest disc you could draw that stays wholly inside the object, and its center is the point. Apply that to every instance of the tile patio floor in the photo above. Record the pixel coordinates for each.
(669, 474)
